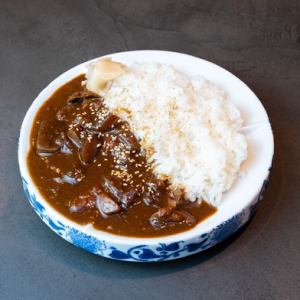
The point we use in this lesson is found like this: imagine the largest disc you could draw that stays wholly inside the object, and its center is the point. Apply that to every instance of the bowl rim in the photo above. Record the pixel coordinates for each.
(198, 230)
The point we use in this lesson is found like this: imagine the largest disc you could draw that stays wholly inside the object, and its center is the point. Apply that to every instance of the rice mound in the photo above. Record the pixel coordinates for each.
(188, 128)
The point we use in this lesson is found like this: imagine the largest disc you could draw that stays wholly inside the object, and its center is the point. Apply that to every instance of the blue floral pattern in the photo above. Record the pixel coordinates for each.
(144, 253)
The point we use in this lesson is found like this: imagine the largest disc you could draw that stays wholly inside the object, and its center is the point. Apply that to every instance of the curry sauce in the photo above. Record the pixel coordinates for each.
(89, 166)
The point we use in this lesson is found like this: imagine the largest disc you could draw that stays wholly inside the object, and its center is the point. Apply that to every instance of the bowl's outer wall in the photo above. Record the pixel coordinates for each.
(144, 253)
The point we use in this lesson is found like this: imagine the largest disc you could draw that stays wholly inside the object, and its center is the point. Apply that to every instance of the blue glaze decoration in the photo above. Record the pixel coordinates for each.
(86, 242)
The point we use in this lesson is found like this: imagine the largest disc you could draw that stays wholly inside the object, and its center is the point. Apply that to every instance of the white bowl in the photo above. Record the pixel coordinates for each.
(237, 207)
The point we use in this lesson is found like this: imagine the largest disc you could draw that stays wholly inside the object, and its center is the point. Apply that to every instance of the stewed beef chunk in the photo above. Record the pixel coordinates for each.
(126, 199)
(130, 141)
(74, 136)
(109, 123)
(79, 97)
(72, 177)
(89, 149)
(46, 143)
(155, 188)
(95, 198)
(82, 203)
(167, 216)
(105, 204)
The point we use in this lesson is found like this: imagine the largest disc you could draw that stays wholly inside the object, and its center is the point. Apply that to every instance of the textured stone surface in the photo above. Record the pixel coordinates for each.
(258, 40)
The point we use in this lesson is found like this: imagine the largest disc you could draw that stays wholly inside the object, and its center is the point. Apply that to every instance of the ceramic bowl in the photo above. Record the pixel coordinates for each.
(237, 207)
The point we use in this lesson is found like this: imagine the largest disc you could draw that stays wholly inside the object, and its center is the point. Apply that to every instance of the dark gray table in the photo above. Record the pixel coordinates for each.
(258, 41)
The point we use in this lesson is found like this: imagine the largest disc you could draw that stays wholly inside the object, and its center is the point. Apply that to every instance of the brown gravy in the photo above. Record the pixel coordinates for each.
(75, 166)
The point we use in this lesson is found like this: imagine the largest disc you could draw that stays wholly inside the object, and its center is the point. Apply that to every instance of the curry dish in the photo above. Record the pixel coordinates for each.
(89, 166)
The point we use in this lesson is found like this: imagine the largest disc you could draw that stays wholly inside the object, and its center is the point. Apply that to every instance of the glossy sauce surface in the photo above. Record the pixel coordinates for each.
(97, 174)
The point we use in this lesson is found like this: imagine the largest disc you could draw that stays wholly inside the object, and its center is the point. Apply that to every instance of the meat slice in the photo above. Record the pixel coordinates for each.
(167, 216)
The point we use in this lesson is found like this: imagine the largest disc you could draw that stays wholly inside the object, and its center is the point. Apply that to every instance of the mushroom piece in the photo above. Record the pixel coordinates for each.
(45, 144)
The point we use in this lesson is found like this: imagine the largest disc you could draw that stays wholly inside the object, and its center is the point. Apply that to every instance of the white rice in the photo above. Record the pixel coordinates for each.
(187, 126)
